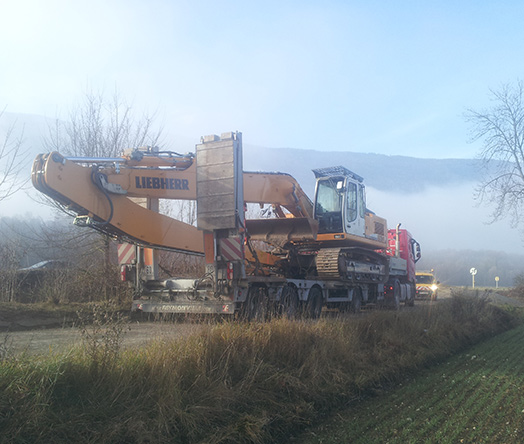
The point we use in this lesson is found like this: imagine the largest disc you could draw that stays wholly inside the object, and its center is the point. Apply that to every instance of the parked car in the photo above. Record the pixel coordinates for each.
(33, 277)
(53, 264)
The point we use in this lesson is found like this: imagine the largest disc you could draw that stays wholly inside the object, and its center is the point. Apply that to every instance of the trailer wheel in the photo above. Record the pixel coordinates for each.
(288, 306)
(356, 300)
(314, 303)
(256, 305)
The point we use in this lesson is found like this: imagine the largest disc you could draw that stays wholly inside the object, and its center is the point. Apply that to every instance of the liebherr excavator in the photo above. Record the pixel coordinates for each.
(333, 253)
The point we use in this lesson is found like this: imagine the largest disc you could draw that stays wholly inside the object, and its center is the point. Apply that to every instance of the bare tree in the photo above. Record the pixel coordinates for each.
(98, 127)
(501, 130)
(12, 157)
(10, 254)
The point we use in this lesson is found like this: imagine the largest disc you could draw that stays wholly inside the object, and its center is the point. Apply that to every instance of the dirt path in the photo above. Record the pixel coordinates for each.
(41, 341)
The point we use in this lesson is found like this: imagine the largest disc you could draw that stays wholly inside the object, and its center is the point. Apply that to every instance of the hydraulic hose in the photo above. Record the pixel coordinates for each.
(96, 179)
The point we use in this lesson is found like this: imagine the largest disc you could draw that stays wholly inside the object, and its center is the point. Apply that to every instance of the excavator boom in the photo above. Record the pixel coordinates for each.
(105, 193)
(72, 185)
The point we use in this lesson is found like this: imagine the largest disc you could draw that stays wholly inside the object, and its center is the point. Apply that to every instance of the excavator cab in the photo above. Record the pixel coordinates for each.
(340, 205)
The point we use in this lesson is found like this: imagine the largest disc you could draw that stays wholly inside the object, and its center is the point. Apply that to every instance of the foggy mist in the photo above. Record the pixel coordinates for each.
(446, 218)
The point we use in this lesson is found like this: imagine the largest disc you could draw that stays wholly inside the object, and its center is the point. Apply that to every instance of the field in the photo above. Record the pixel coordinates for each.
(235, 382)
(474, 397)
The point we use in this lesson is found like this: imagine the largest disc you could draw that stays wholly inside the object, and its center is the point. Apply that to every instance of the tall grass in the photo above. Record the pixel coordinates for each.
(232, 383)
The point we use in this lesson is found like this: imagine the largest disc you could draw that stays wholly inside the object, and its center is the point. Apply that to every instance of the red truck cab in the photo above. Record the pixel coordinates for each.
(408, 249)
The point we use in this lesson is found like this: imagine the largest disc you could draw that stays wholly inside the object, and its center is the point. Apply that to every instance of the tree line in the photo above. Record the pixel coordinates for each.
(452, 267)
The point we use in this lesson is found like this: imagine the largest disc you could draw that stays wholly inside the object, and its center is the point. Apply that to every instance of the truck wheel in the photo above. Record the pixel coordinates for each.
(288, 306)
(395, 303)
(410, 300)
(314, 303)
(356, 301)
(256, 305)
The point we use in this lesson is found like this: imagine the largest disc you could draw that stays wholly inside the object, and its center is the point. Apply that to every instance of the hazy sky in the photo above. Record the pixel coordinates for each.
(391, 77)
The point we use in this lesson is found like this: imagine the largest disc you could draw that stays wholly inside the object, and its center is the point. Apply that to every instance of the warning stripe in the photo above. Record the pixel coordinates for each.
(126, 253)
(231, 248)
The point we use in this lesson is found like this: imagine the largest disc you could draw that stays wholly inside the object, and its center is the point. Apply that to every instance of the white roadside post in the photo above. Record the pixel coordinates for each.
(473, 272)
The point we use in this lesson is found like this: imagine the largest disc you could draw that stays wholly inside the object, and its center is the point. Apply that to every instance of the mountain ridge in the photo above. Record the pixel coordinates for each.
(384, 172)
(380, 171)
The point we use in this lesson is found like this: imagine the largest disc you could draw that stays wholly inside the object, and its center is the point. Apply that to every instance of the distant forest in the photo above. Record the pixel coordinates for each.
(452, 267)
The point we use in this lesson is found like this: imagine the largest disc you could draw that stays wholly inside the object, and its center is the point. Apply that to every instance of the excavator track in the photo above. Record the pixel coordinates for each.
(328, 260)
(352, 264)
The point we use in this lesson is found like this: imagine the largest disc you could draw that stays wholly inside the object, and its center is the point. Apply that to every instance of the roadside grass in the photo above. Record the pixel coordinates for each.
(475, 397)
(231, 382)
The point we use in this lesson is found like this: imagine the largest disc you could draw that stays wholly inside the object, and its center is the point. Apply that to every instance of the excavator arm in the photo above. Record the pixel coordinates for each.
(279, 189)
(104, 193)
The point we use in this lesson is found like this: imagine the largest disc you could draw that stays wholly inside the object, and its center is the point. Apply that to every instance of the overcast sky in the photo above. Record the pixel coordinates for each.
(392, 77)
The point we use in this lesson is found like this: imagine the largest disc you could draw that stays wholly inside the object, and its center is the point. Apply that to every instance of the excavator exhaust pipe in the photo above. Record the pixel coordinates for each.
(397, 241)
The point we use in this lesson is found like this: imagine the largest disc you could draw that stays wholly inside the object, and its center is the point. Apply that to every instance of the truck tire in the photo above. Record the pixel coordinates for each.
(288, 305)
(356, 301)
(256, 305)
(410, 300)
(313, 307)
(395, 302)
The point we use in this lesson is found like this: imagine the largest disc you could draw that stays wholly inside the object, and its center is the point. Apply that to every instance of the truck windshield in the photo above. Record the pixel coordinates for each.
(425, 279)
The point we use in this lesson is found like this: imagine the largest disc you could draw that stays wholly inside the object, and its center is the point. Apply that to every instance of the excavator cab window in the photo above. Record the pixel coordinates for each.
(362, 201)
(351, 202)
(328, 205)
